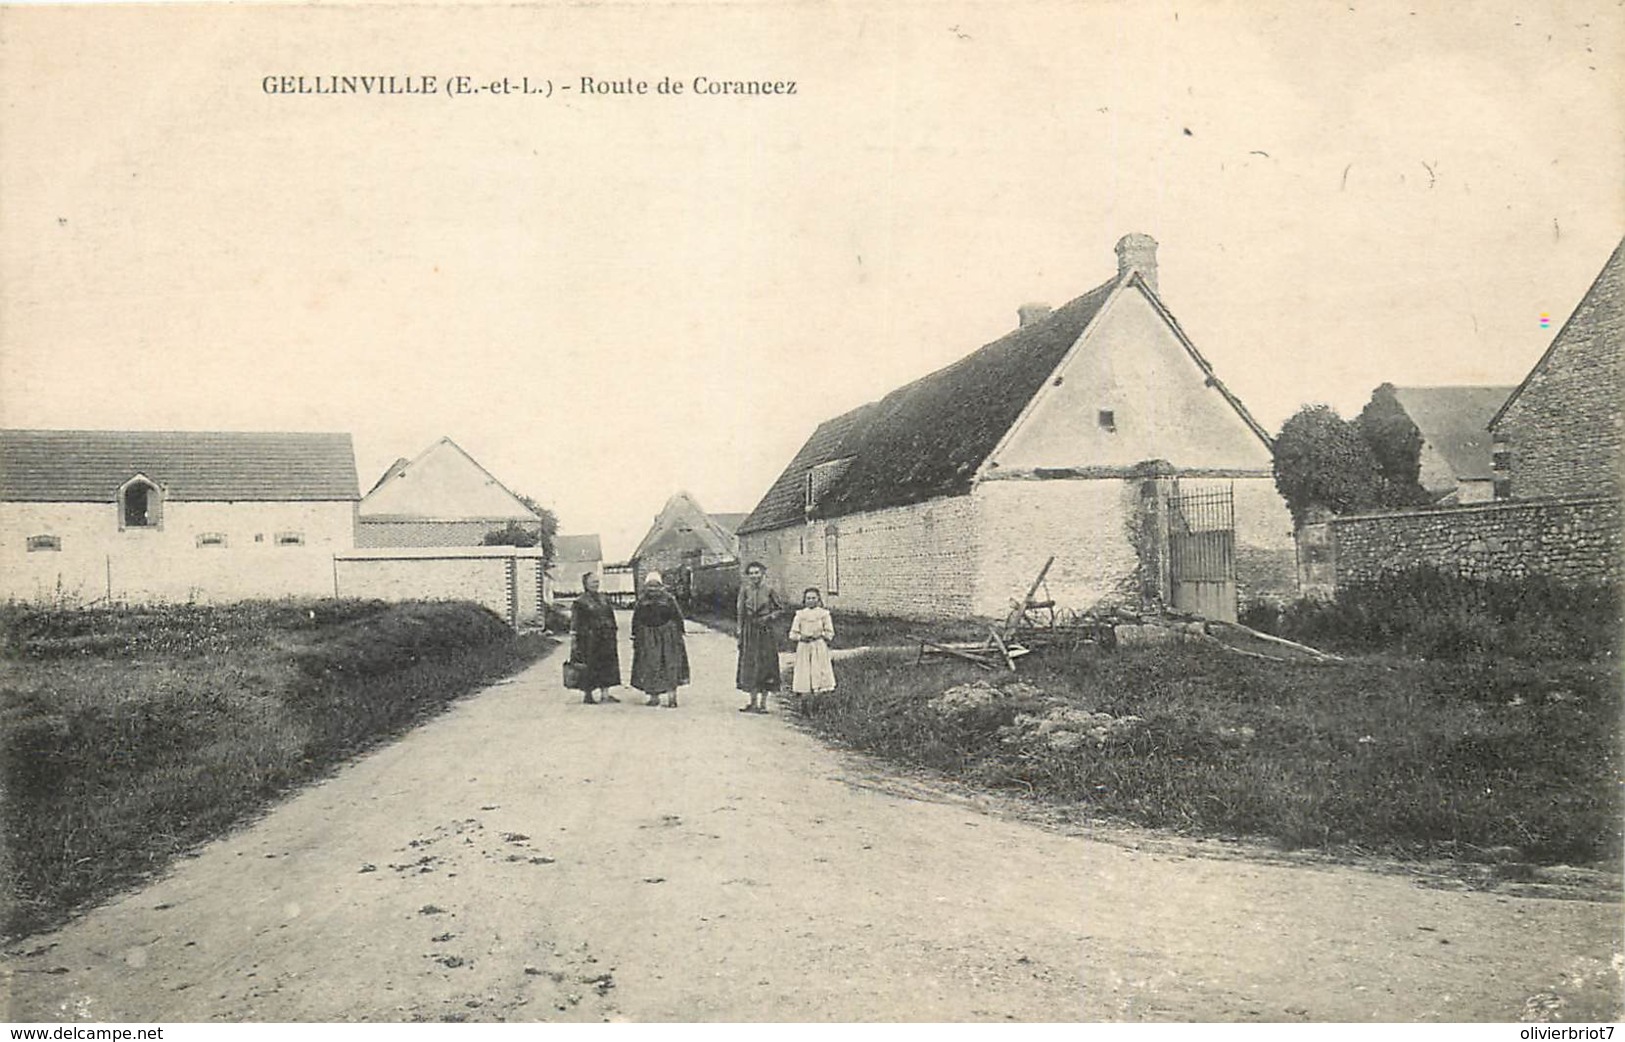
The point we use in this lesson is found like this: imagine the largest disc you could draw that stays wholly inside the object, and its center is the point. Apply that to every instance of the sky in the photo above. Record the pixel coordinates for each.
(608, 298)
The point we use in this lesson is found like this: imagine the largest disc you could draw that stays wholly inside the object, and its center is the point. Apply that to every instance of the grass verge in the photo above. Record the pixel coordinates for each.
(1494, 760)
(128, 736)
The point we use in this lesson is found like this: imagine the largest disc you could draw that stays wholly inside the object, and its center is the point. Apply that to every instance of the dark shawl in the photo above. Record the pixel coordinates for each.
(659, 655)
(592, 642)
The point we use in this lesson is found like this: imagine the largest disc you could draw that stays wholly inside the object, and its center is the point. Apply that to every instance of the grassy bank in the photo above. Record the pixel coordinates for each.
(1487, 760)
(128, 736)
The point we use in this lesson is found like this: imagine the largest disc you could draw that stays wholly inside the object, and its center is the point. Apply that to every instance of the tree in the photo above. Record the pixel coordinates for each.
(1395, 444)
(1321, 460)
(518, 533)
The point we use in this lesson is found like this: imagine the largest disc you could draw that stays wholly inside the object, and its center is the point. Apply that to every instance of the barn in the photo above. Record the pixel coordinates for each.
(1094, 432)
(90, 515)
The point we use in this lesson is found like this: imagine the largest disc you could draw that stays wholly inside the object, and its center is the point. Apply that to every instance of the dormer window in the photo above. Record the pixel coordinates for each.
(820, 477)
(140, 504)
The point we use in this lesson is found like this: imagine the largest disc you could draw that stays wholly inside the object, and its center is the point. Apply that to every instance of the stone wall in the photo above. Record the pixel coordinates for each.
(199, 551)
(917, 561)
(1572, 540)
(508, 580)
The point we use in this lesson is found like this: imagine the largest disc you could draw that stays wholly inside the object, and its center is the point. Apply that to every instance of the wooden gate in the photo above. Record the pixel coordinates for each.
(1202, 552)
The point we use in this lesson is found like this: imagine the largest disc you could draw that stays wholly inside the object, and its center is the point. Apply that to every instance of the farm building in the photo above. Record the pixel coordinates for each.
(684, 536)
(1454, 425)
(441, 498)
(1561, 431)
(172, 515)
(619, 584)
(1094, 432)
(573, 557)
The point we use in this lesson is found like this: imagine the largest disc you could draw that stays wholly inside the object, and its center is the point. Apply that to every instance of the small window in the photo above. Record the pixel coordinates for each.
(1503, 488)
(140, 504)
(259, 537)
(211, 539)
(290, 539)
(36, 543)
(1108, 420)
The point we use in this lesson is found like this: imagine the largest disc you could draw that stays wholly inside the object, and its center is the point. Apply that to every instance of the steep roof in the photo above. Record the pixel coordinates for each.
(577, 549)
(928, 438)
(77, 466)
(1455, 421)
(728, 522)
(442, 483)
(683, 525)
(1600, 311)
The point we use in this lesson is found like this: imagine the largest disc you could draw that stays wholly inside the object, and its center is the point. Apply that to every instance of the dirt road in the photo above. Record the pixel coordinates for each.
(526, 857)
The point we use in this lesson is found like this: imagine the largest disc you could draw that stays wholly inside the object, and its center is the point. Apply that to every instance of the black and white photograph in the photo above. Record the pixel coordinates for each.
(856, 512)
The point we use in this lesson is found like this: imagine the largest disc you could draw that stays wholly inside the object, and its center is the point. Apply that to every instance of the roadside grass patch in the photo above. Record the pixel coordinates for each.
(128, 736)
(1439, 615)
(1489, 760)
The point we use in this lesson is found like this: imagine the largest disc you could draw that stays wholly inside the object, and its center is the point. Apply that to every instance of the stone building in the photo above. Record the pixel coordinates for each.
(1094, 432)
(172, 515)
(1455, 454)
(685, 537)
(1560, 433)
(573, 557)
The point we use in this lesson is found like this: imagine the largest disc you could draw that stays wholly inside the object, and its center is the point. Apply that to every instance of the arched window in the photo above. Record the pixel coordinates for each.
(140, 504)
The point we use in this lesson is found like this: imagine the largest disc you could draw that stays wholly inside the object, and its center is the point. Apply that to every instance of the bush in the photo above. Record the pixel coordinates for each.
(1435, 614)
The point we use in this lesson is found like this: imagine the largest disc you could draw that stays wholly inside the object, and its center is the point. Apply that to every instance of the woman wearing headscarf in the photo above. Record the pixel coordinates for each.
(659, 656)
(592, 642)
(759, 612)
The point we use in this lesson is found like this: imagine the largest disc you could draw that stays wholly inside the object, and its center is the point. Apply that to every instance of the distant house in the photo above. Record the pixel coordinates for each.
(1561, 431)
(1094, 432)
(620, 584)
(173, 515)
(1454, 424)
(684, 535)
(573, 557)
(441, 498)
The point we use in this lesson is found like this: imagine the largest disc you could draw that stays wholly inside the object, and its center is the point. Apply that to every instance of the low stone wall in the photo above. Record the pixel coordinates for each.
(1572, 540)
(509, 580)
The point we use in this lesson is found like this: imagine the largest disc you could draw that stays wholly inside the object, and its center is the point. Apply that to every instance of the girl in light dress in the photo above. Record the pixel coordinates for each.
(812, 630)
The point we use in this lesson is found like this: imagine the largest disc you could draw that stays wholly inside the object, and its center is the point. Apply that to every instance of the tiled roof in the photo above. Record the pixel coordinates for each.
(1455, 421)
(583, 548)
(928, 439)
(90, 466)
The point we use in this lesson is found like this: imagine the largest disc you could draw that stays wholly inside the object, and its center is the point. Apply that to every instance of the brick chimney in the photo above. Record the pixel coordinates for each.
(1138, 252)
(1030, 313)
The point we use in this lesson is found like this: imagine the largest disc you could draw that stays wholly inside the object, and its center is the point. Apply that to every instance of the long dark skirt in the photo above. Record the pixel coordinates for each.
(659, 658)
(595, 652)
(758, 658)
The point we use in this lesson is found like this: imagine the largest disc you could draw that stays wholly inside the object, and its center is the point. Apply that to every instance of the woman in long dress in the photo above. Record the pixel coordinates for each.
(659, 655)
(812, 630)
(592, 642)
(759, 614)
